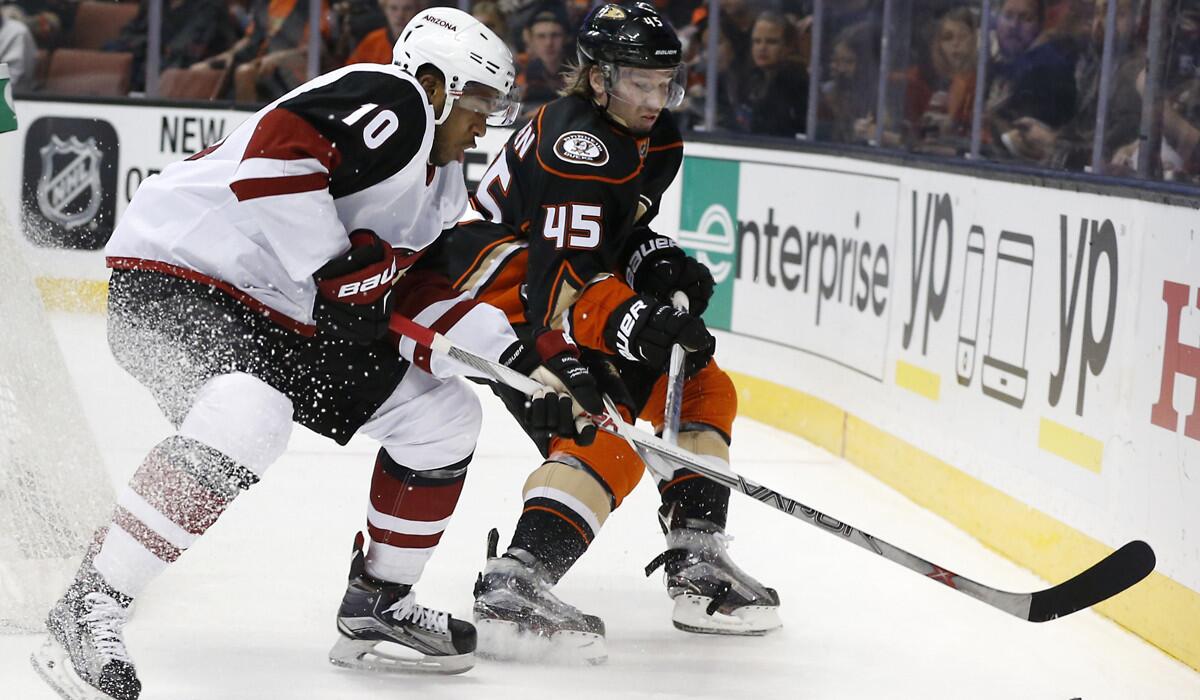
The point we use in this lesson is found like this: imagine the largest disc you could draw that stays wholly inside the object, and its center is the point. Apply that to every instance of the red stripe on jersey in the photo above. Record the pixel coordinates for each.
(423, 354)
(254, 188)
(206, 151)
(193, 276)
(452, 316)
(283, 135)
(398, 539)
(146, 536)
(420, 290)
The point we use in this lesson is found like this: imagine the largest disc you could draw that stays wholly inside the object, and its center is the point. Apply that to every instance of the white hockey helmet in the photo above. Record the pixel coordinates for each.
(466, 52)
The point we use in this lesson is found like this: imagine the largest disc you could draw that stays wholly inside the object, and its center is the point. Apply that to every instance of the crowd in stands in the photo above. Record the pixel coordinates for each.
(1040, 99)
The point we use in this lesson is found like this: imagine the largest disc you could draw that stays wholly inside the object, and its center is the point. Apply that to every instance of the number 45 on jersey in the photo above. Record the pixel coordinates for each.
(573, 225)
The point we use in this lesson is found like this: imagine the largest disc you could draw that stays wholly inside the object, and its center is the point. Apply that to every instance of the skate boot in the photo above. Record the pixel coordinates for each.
(519, 619)
(712, 594)
(381, 627)
(84, 655)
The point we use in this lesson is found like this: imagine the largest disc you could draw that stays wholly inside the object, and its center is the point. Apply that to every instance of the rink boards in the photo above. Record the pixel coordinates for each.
(1022, 360)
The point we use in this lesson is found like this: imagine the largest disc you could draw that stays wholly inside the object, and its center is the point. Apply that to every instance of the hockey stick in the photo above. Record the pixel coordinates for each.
(674, 403)
(1103, 580)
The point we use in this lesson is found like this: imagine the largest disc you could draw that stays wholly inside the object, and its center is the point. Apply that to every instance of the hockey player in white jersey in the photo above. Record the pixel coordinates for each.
(251, 288)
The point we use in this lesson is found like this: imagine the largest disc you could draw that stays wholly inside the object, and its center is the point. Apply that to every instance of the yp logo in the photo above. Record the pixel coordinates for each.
(708, 227)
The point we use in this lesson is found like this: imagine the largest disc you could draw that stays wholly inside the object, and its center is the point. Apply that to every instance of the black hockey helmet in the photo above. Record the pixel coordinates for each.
(628, 35)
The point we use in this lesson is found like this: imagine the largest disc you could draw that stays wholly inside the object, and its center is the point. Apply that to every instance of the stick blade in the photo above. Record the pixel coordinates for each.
(1108, 577)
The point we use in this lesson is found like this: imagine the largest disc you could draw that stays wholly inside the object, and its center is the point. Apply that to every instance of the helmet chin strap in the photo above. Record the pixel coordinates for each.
(606, 71)
(449, 105)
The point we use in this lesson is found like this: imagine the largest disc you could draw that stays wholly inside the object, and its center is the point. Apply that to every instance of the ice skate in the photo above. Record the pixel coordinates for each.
(84, 655)
(381, 627)
(519, 619)
(712, 594)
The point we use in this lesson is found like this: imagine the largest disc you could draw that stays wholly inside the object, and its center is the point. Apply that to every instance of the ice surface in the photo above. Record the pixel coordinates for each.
(248, 612)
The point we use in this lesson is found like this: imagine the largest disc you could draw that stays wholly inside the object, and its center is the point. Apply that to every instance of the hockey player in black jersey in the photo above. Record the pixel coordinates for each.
(565, 242)
(252, 286)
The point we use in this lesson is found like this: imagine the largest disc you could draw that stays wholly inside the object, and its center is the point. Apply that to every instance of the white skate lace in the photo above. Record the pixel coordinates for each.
(423, 617)
(104, 621)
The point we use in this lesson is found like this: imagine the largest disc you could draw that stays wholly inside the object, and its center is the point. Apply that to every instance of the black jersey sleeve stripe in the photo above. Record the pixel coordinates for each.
(374, 142)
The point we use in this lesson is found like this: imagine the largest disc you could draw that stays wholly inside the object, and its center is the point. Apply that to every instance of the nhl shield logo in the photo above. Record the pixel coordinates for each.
(69, 189)
(69, 182)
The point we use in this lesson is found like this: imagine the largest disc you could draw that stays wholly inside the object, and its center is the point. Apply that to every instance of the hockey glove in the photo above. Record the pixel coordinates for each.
(644, 330)
(354, 299)
(660, 268)
(555, 363)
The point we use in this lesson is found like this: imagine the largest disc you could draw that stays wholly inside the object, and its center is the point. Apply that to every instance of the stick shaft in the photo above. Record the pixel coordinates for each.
(675, 377)
(1113, 574)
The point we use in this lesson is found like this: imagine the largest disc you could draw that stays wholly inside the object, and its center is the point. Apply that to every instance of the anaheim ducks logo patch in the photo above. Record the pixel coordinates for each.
(581, 147)
(611, 12)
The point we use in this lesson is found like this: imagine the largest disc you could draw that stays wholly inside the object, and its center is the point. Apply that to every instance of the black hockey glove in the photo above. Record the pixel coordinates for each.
(659, 268)
(644, 330)
(354, 299)
(555, 363)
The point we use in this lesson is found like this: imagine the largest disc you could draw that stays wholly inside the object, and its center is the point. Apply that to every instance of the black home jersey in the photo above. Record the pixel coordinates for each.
(577, 189)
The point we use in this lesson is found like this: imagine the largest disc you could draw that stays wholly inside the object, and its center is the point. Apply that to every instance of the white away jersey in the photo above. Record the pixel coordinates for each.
(262, 210)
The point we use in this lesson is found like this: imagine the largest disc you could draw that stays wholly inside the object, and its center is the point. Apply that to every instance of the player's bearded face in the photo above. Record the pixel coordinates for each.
(638, 95)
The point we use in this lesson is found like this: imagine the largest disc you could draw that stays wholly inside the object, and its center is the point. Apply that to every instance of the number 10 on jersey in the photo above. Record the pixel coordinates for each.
(573, 225)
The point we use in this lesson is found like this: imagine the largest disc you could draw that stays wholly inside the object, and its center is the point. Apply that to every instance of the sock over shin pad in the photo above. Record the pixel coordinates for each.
(177, 493)
(691, 495)
(409, 510)
(565, 506)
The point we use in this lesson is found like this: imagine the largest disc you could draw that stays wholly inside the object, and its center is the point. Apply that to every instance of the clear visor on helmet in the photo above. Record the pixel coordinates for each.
(501, 110)
(648, 88)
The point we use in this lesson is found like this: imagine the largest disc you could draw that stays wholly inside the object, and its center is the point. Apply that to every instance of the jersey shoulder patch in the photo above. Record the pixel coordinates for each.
(581, 147)
(575, 142)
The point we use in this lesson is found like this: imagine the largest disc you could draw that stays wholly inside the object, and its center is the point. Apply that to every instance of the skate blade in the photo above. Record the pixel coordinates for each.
(501, 640)
(52, 663)
(691, 615)
(366, 655)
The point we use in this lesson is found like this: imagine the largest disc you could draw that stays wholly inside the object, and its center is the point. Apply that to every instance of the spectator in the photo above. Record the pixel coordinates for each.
(191, 30)
(1032, 74)
(271, 58)
(848, 97)
(940, 90)
(539, 69)
(691, 112)
(576, 11)
(737, 21)
(377, 46)
(355, 19)
(48, 20)
(517, 14)
(845, 14)
(488, 12)
(19, 52)
(775, 99)
(1070, 145)
(1180, 153)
